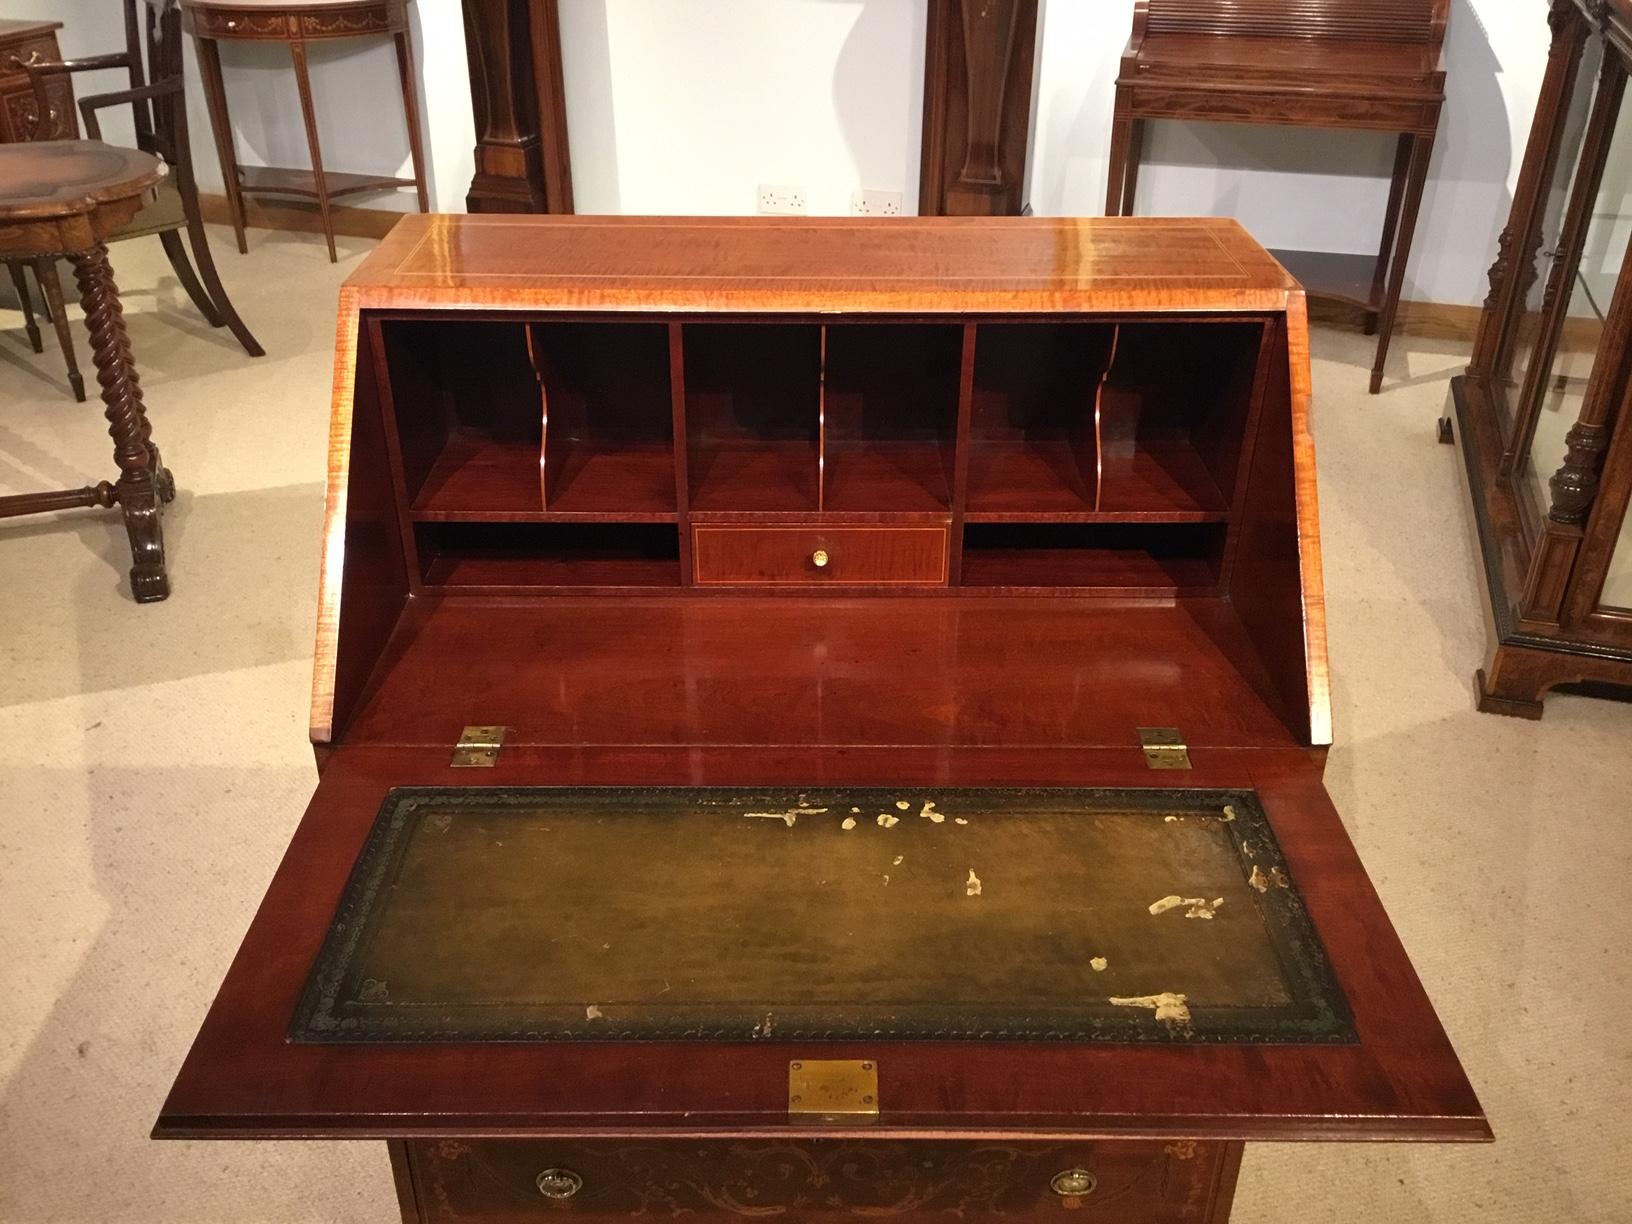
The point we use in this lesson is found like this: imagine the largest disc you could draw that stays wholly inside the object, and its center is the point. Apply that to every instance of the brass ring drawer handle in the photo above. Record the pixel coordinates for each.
(559, 1183)
(819, 558)
(1073, 1183)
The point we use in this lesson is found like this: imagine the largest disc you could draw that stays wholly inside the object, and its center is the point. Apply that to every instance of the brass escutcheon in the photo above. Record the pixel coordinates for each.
(1073, 1183)
(559, 1183)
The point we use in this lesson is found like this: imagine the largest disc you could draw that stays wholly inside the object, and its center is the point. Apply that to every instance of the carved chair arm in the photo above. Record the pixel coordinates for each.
(89, 105)
(41, 70)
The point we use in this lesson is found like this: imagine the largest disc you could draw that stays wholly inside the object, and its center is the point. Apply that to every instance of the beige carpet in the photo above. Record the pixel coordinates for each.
(153, 763)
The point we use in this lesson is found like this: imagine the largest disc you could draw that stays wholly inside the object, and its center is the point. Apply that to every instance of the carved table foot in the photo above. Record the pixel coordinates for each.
(144, 485)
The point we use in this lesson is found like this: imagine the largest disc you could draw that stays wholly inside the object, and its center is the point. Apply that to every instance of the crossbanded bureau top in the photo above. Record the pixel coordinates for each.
(821, 265)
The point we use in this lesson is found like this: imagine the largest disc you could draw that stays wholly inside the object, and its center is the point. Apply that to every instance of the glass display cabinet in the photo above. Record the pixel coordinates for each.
(1542, 413)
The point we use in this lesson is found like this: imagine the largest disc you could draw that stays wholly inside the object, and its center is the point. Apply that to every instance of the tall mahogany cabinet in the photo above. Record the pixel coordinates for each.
(821, 719)
(1542, 412)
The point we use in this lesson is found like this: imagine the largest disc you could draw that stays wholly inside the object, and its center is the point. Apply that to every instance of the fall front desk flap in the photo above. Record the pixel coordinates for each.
(519, 914)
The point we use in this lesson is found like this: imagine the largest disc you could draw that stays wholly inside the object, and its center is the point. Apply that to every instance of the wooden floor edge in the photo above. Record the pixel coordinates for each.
(1434, 320)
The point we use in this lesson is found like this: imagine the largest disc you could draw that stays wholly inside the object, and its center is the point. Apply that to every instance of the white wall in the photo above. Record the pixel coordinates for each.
(685, 106)
(354, 82)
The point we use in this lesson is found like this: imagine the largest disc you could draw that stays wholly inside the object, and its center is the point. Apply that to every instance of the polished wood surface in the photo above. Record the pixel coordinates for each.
(1546, 559)
(64, 198)
(940, 266)
(244, 1079)
(22, 43)
(297, 23)
(1373, 65)
(580, 472)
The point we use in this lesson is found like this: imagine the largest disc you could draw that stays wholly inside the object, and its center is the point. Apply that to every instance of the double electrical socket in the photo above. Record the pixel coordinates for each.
(775, 199)
(866, 202)
(872, 203)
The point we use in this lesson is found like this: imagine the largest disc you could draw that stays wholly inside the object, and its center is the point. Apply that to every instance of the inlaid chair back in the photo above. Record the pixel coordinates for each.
(1399, 21)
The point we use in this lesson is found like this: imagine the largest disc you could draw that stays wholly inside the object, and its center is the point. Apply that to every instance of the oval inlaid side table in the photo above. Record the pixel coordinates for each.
(298, 22)
(63, 198)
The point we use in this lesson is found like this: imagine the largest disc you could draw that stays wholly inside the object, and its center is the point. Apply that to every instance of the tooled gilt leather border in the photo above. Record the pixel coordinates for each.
(335, 1006)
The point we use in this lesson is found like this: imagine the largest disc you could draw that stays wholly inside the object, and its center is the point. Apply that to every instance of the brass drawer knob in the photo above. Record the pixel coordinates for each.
(819, 558)
(559, 1183)
(1073, 1183)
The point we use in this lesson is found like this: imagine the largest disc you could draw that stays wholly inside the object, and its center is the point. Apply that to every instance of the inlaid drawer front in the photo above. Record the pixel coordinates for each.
(835, 555)
(237, 23)
(22, 113)
(342, 24)
(1155, 1181)
(1301, 110)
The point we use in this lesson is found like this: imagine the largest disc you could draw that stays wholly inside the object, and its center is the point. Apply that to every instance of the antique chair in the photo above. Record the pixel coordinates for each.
(160, 115)
(1373, 65)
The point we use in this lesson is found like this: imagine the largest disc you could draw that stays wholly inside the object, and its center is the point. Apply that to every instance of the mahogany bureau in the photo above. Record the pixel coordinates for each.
(823, 719)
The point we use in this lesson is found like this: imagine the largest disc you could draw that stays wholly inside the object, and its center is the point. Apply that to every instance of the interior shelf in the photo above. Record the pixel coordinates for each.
(745, 474)
(889, 476)
(753, 408)
(519, 556)
(478, 476)
(514, 431)
(1150, 559)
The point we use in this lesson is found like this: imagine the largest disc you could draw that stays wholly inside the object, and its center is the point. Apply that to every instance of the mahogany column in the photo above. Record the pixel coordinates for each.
(978, 62)
(522, 162)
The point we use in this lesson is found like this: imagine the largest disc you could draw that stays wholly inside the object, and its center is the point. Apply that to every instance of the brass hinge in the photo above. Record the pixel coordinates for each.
(478, 747)
(1164, 748)
(833, 1090)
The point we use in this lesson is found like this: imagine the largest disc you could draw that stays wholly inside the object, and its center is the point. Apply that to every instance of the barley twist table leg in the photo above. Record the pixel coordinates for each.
(142, 478)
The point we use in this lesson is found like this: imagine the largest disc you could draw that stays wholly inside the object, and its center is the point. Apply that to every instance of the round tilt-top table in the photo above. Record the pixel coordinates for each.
(298, 22)
(63, 198)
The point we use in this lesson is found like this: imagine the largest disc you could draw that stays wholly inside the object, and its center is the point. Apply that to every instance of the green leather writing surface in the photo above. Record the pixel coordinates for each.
(603, 914)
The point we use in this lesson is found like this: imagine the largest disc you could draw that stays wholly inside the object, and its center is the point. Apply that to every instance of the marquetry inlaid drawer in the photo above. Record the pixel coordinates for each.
(820, 554)
(1154, 1182)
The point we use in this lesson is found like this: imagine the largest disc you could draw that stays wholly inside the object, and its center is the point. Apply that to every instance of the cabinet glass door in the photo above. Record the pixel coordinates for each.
(1593, 241)
(1544, 254)
(1617, 593)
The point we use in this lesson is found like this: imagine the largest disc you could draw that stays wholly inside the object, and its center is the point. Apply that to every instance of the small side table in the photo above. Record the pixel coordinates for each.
(298, 22)
(63, 198)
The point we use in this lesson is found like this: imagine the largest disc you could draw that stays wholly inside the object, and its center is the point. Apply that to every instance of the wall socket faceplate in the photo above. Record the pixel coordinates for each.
(774, 198)
(871, 202)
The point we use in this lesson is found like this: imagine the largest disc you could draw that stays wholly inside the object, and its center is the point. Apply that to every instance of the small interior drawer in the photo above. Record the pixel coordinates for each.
(812, 553)
(1175, 1182)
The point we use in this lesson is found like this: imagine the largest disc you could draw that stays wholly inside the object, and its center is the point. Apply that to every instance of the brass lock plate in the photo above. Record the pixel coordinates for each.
(833, 1089)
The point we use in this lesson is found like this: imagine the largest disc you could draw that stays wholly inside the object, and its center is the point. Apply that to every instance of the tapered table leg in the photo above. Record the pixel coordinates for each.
(143, 480)
(303, 83)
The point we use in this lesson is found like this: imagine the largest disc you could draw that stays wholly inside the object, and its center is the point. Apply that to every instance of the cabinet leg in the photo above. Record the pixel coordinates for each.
(142, 478)
(215, 95)
(45, 272)
(1513, 695)
(1422, 150)
(303, 82)
(410, 113)
(1116, 178)
(26, 302)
